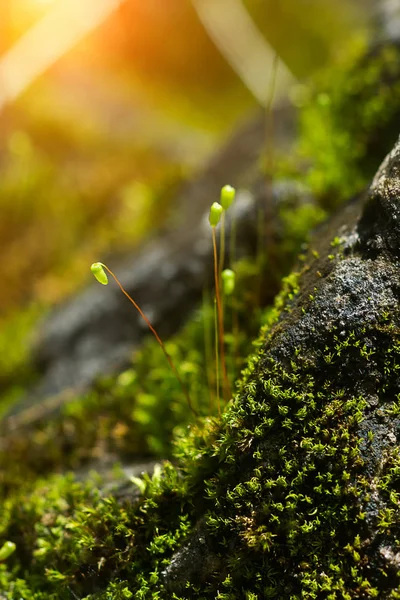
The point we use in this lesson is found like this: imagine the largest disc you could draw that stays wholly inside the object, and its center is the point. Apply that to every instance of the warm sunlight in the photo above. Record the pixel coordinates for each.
(62, 27)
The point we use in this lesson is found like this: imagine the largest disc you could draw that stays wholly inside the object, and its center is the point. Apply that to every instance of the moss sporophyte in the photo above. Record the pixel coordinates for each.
(228, 194)
(217, 214)
(223, 278)
(7, 550)
(228, 281)
(99, 271)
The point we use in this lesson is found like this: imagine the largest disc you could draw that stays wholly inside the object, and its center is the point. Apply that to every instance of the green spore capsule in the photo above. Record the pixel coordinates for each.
(215, 214)
(228, 194)
(228, 281)
(99, 272)
(6, 550)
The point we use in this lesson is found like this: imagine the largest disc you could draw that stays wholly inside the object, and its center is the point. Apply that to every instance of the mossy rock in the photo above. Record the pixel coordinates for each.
(295, 493)
(304, 496)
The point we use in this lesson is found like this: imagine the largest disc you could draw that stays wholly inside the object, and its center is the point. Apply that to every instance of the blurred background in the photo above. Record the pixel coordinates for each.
(107, 106)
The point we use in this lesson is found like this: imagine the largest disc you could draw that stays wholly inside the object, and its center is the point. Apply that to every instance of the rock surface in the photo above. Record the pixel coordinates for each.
(306, 483)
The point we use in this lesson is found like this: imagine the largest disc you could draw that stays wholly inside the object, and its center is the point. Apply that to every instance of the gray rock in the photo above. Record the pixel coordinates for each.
(305, 481)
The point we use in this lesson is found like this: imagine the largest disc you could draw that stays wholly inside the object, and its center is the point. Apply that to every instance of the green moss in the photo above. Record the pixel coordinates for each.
(306, 465)
(348, 123)
(70, 538)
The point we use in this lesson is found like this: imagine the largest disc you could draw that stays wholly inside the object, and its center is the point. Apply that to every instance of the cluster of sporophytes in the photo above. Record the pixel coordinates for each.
(217, 211)
(226, 276)
(138, 413)
(134, 414)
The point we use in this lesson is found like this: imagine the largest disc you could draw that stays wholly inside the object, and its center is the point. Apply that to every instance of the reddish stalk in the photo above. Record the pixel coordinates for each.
(217, 356)
(159, 340)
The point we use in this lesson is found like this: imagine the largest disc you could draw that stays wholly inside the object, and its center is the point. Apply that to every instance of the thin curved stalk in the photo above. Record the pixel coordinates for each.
(159, 340)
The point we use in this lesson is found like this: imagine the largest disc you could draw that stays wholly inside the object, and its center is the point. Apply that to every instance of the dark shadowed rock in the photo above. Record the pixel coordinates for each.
(196, 560)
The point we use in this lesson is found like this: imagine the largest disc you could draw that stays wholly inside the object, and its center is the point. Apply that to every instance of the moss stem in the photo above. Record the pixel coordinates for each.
(217, 355)
(159, 340)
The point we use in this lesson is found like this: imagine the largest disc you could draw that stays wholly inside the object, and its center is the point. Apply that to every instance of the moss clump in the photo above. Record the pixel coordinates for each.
(72, 540)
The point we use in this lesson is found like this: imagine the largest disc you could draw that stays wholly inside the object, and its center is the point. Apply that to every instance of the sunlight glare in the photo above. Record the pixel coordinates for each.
(56, 33)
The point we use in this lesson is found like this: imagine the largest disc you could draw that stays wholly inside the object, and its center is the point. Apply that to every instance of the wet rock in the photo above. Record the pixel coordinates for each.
(306, 472)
